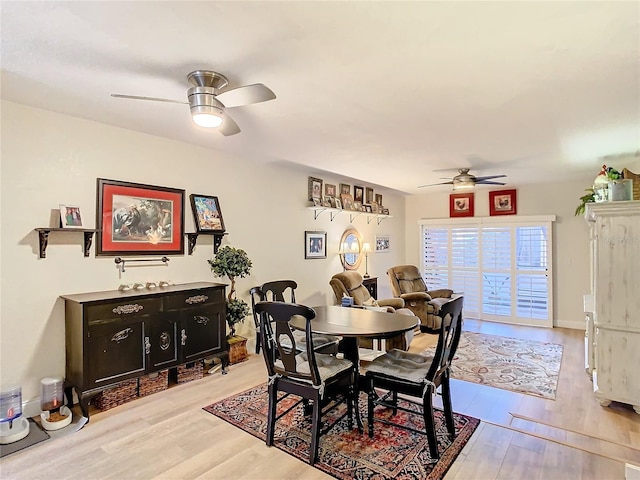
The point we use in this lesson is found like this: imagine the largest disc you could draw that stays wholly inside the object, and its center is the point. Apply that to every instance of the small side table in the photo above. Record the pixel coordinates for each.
(371, 284)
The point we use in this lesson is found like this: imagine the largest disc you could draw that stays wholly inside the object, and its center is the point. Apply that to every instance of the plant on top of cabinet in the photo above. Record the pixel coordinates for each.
(233, 263)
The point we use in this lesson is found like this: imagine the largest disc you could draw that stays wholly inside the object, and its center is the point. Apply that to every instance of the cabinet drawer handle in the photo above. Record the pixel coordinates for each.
(147, 345)
(134, 308)
(201, 320)
(196, 299)
(183, 337)
(121, 335)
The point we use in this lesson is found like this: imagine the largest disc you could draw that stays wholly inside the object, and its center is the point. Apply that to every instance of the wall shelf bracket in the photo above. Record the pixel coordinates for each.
(43, 238)
(192, 237)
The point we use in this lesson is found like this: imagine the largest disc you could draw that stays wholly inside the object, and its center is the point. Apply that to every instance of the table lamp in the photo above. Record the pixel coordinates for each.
(366, 249)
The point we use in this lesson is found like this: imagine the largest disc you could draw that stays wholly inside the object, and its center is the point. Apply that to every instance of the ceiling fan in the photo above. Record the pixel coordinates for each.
(465, 180)
(208, 104)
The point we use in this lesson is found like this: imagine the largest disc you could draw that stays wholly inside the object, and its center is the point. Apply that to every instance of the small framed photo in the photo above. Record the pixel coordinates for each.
(379, 199)
(358, 194)
(385, 211)
(207, 215)
(329, 190)
(70, 216)
(315, 188)
(315, 244)
(345, 188)
(357, 206)
(338, 203)
(383, 244)
(367, 208)
(374, 208)
(502, 202)
(461, 205)
(347, 201)
(326, 202)
(369, 195)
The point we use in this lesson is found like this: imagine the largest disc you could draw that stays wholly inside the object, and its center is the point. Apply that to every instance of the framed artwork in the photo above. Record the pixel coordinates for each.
(137, 219)
(374, 207)
(383, 244)
(345, 188)
(461, 205)
(315, 244)
(370, 197)
(207, 215)
(329, 190)
(347, 201)
(315, 188)
(379, 199)
(358, 194)
(338, 203)
(502, 202)
(70, 216)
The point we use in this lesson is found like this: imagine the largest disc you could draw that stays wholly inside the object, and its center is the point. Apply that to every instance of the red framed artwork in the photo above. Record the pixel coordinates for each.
(137, 219)
(461, 205)
(502, 202)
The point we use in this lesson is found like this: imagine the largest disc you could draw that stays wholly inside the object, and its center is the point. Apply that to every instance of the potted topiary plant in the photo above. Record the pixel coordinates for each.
(233, 263)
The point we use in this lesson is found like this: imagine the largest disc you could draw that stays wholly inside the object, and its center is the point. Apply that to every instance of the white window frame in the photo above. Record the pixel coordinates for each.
(511, 222)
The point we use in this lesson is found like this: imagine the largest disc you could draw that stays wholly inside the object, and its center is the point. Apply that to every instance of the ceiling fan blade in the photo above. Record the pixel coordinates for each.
(434, 184)
(488, 182)
(246, 95)
(229, 126)
(153, 99)
(489, 177)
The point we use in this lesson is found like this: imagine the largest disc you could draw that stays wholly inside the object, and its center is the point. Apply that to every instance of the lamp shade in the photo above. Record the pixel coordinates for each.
(366, 248)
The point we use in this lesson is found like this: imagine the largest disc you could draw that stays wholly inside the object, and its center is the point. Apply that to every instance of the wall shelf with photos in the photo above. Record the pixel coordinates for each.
(334, 212)
(43, 236)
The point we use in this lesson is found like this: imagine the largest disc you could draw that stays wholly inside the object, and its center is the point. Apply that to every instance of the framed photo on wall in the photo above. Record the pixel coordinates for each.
(315, 189)
(383, 244)
(70, 216)
(461, 205)
(369, 195)
(137, 219)
(315, 244)
(502, 202)
(329, 190)
(207, 215)
(345, 188)
(358, 194)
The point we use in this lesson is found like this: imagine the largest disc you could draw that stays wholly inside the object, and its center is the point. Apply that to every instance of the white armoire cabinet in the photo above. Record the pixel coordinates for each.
(615, 286)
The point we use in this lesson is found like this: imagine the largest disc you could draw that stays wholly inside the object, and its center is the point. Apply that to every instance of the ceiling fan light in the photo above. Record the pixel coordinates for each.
(463, 185)
(207, 120)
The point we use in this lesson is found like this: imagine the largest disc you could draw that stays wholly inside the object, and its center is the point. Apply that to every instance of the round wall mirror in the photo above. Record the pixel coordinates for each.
(350, 248)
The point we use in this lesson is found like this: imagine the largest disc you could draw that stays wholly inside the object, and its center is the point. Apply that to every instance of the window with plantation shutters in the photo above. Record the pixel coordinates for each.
(502, 267)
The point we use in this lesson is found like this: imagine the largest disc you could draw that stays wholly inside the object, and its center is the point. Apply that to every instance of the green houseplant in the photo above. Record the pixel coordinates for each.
(233, 263)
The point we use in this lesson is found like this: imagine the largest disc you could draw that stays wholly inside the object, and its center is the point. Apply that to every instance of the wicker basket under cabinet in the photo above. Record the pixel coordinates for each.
(154, 382)
(190, 371)
(112, 397)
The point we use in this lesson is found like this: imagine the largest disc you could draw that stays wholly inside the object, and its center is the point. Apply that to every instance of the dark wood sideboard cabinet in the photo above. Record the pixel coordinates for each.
(115, 335)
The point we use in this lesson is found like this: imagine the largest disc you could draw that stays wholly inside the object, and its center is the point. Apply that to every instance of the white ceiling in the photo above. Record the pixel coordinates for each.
(385, 92)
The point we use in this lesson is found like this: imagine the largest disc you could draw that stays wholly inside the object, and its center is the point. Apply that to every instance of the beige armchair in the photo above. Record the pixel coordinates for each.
(407, 283)
(349, 283)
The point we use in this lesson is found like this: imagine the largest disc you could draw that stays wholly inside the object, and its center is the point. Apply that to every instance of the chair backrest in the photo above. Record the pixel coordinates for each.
(349, 283)
(279, 344)
(406, 279)
(275, 291)
(448, 339)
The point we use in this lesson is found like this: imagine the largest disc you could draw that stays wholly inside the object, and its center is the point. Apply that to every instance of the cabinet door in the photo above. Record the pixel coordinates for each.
(161, 342)
(116, 350)
(202, 331)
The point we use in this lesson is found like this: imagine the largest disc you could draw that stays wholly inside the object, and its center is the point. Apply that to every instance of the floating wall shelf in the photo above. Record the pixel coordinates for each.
(192, 237)
(43, 234)
(334, 212)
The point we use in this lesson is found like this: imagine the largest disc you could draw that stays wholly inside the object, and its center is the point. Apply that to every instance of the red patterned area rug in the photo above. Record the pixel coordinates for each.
(519, 365)
(393, 453)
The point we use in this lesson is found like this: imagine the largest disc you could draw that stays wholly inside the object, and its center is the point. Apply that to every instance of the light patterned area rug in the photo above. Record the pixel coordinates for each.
(523, 366)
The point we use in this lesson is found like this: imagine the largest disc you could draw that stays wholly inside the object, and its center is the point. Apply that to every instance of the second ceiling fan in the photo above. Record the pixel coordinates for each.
(466, 180)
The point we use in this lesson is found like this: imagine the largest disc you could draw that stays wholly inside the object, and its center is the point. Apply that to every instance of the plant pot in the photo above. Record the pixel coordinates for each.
(237, 349)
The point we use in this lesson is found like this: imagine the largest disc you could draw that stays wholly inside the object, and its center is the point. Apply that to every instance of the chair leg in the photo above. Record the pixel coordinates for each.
(370, 406)
(315, 430)
(394, 400)
(446, 403)
(429, 423)
(271, 415)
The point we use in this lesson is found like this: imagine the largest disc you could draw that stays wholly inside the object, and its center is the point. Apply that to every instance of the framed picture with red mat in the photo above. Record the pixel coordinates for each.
(502, 202)
(461, 204)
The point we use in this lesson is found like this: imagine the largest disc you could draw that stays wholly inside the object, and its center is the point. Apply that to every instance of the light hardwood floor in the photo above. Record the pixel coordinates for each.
(167, 435)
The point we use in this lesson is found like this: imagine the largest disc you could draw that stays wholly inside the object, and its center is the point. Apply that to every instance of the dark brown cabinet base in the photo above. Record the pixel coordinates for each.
(115, 335)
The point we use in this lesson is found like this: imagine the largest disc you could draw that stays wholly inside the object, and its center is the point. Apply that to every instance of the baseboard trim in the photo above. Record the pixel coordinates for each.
(31, 408)
(573, 324)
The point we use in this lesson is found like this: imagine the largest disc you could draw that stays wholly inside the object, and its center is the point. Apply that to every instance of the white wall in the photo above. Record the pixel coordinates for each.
(570, 235)
(50, 159)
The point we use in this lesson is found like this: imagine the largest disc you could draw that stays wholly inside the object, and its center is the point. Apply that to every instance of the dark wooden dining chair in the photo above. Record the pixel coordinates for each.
(285, 291)
(324, 380)
(418, 376)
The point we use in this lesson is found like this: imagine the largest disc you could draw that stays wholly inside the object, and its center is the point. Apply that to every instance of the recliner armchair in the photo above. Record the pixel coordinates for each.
(407, 283)
(349, 283)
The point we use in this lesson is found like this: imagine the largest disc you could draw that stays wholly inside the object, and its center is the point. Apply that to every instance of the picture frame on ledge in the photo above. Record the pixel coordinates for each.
(461, 204)
(315, 244)
(207, 215)
(503, 202)
(138, 219)
(70, 216)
